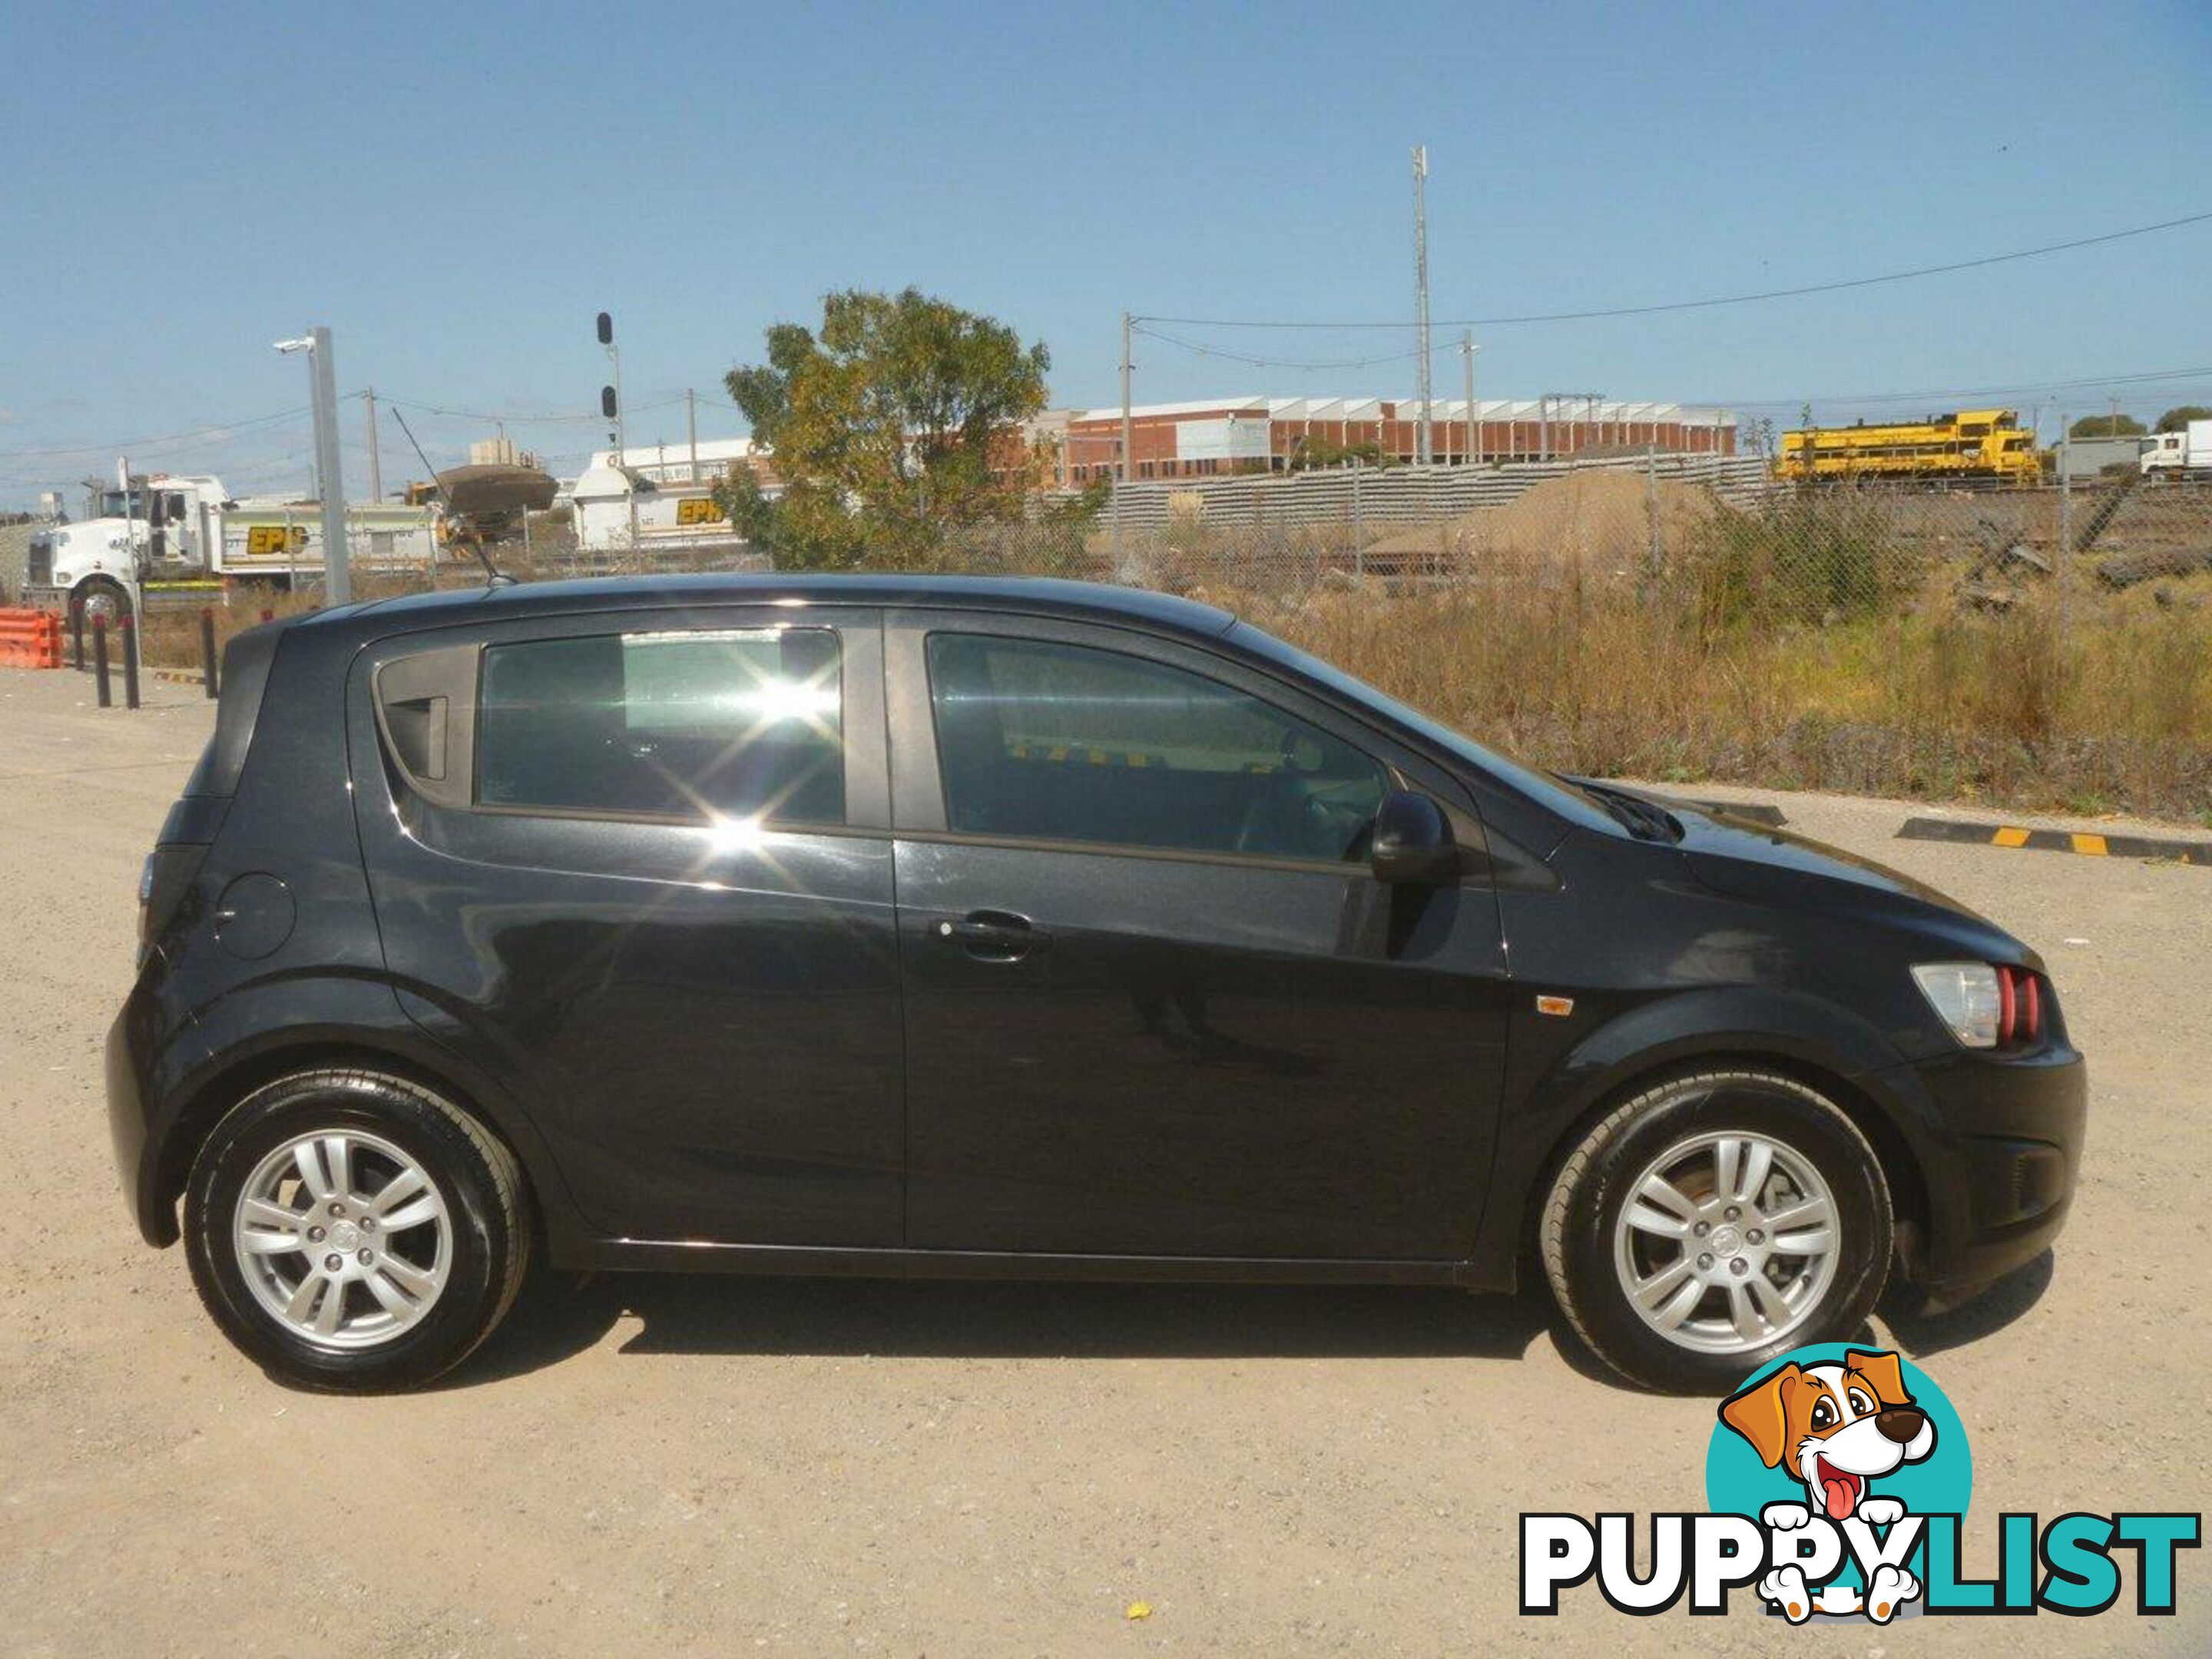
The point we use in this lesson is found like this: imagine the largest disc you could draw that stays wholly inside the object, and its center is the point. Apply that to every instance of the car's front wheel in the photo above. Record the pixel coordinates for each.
(355, 1231)
(1715, 1220)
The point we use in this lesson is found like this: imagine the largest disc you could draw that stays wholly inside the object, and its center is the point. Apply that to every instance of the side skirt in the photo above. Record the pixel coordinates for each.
(778, 1260)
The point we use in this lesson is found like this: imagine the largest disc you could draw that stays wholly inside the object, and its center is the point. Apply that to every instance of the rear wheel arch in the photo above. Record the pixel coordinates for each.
(216, 1095)
(281, 1208)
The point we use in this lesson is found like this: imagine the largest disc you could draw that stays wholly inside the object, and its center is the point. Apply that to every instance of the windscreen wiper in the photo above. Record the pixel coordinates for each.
(1645, 819)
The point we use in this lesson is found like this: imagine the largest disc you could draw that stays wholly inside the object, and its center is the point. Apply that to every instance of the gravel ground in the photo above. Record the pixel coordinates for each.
(697, 1466)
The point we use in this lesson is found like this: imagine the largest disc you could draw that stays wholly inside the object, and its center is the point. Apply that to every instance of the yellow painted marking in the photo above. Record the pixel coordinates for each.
(1138, 760)
(1098, 758)
(2092, 846)
(2009, 838)
(1060, 753)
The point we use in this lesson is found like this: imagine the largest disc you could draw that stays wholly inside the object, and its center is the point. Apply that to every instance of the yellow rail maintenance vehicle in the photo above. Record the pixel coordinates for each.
(1970, 446)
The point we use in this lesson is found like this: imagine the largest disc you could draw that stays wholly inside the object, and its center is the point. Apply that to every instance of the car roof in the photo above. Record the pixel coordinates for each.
(1029, 595)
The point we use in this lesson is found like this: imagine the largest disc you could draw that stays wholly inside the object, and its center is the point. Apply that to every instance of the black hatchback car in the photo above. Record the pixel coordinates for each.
(930, 927)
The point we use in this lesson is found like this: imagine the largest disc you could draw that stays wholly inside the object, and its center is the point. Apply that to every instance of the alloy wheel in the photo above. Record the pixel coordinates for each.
(344, 1238)
(1728, 1241)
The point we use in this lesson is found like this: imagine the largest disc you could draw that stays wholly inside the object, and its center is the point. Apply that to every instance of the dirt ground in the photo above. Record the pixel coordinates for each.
(725, 1466)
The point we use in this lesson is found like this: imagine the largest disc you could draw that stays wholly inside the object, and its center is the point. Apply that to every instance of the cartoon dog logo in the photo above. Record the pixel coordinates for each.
(1835, 1428)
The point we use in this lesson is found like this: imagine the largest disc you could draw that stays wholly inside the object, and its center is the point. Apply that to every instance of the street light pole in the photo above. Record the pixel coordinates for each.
(329, 483)
(1425, 442)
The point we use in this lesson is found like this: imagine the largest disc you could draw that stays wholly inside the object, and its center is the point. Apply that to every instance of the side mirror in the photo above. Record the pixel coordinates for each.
(1412, 842)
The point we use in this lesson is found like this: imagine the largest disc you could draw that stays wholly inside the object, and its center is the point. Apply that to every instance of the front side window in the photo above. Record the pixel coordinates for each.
(1044, 740)
(740, 723)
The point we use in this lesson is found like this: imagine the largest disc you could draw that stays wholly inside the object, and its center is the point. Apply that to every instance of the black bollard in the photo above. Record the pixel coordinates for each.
(208, 672)
(99, 661)
(76, 630)
(130, 662)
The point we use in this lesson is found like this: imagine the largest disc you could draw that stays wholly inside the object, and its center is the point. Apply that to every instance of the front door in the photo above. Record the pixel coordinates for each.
(638, 867)
(1156, 1004)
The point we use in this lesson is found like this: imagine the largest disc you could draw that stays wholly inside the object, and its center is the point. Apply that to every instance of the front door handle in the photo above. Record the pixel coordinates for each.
(994, 935)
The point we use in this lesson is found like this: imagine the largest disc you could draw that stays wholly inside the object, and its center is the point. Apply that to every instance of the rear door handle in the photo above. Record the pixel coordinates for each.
(994, 935)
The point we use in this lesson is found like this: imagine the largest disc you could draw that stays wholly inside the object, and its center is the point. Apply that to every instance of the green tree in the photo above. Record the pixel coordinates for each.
(2178, 420)
(1314, 451)
(2106, 425)
(891, 424)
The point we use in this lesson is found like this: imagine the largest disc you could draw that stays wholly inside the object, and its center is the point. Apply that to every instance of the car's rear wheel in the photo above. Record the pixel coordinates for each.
(352, 1230)
(1712, 1221)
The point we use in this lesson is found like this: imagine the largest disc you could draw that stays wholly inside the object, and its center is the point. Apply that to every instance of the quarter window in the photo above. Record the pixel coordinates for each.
(1052, 741)
(743, 723)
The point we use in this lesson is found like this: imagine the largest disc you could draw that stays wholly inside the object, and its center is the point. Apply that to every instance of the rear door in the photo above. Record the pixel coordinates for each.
(638, 865)
(1156, 1003)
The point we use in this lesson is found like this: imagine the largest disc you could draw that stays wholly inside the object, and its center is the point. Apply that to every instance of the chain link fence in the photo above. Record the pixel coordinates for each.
(1676, 617)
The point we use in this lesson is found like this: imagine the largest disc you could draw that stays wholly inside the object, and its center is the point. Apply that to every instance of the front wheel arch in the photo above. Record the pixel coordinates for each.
(1900, 1171)
(1578, 1176)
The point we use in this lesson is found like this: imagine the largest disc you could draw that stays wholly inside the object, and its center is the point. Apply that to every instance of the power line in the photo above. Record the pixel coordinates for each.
(2085, 382)
(1271, 363)
(220, 432)
(495, 417)
(1726, 299)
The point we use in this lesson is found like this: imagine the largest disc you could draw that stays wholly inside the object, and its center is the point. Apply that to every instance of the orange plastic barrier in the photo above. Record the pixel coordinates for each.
(30, 639)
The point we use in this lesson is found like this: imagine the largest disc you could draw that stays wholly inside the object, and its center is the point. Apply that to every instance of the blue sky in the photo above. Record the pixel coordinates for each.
(457, 189)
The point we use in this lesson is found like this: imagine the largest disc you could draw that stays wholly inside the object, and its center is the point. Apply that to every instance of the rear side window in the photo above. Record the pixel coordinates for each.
(1046, 740)
(743, 723)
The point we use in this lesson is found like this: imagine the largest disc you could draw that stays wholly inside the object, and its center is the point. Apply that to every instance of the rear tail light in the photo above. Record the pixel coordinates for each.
(1985, 1007)
(163, 882)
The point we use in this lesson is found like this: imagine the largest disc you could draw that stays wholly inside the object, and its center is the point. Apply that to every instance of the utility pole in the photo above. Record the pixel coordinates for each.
(2064, 560)
(1473, 426)
(375, 461)
(1128, 428)
(1425, 442)
(691, 424)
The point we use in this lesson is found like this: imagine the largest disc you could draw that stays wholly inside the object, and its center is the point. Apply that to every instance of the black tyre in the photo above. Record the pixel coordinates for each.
(107, 601)
(354, 1231)
(1712, 1221)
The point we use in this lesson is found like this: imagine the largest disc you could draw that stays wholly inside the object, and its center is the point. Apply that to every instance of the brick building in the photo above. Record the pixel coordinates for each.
(1209, 437)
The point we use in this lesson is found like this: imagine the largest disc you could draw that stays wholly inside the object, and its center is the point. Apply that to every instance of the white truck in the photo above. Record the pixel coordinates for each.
(184, 529)
(658, 506)
(2183, 454)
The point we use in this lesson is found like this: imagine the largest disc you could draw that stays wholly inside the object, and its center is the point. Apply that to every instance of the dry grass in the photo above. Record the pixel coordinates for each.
(2113, 715)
